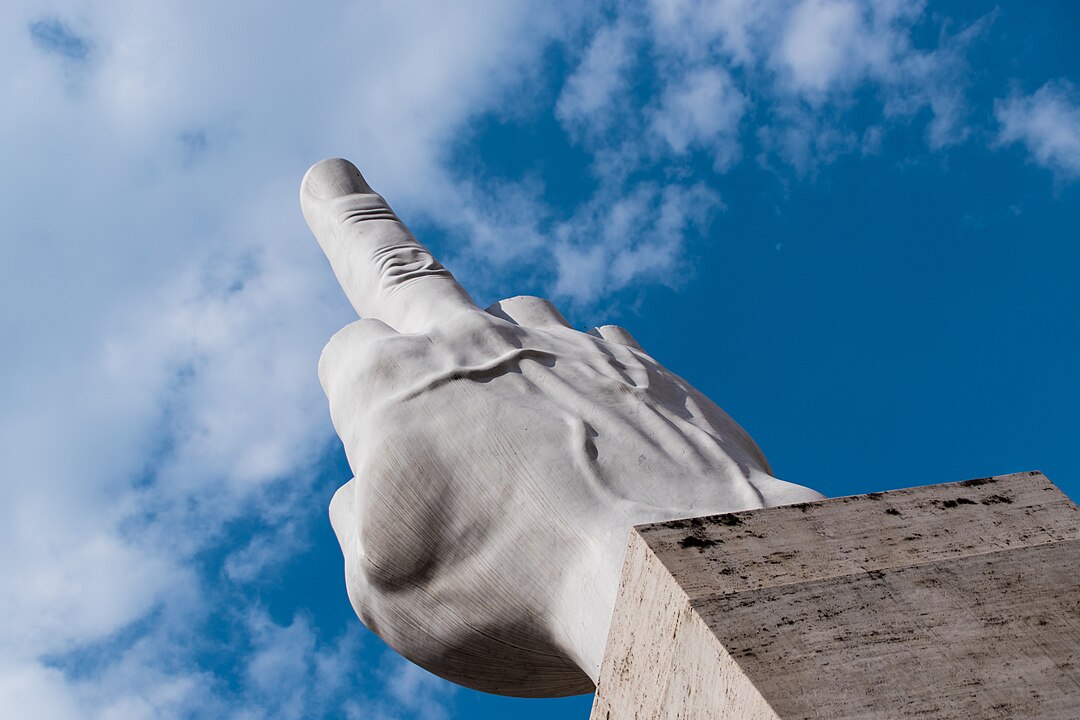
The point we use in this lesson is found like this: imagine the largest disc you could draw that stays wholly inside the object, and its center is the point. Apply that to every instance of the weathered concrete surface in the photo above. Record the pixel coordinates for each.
(948, 601)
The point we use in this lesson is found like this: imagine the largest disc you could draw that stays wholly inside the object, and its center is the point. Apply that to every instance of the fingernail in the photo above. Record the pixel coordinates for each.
(334, 178)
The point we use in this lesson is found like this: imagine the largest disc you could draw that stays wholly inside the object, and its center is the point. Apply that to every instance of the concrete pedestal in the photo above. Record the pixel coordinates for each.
(948, 601)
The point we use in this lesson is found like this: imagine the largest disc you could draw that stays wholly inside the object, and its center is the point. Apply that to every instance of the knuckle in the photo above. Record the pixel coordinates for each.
(408, 507)
(344, 353)
(482, 333)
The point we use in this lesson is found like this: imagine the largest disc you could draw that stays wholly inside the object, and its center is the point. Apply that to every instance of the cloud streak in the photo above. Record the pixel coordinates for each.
(1047, 124)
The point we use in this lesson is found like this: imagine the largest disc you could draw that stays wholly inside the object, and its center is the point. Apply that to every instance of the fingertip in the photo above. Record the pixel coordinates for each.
(333, 178)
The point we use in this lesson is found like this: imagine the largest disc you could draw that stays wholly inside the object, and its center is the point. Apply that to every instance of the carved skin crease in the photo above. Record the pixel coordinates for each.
(499, 469)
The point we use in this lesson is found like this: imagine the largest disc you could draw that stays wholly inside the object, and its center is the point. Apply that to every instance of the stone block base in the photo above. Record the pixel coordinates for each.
(947, 601)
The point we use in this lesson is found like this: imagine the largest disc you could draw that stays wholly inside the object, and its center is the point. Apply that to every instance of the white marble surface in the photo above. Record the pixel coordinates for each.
(500, 458)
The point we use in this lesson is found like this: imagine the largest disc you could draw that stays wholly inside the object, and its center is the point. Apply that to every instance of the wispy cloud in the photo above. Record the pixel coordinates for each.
(702, 110)
(1047, 123)
(592, 94)
(638, 237)
(794, 85)
(417, 693)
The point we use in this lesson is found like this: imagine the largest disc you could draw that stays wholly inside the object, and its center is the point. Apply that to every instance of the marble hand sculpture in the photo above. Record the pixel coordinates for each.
(500, 458)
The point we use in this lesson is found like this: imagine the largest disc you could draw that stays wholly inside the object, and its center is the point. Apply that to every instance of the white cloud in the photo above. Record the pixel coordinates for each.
(587, 101)
(803, 139)
(78, 593)
(821, 44)
(702, 110)
(830, 48)
(416, 691)
(696, 31)
(291, 675)
(804, 71)
(1047, 123)
(614, 242)
(35, 692)
(287, 673)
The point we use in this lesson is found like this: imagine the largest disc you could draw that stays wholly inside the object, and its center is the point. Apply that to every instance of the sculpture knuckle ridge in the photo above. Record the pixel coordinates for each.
(338, 350)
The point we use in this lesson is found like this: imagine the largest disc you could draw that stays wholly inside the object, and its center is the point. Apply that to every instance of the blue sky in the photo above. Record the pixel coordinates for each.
(853, 225)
